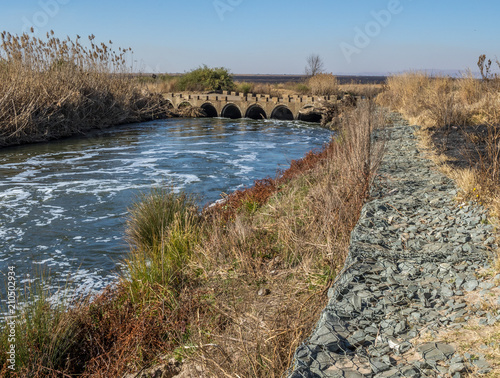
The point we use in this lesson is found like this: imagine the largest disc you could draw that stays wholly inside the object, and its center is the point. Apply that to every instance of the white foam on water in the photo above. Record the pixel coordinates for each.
(26, 175)
(103, 240)
(186, 177)
(12, 234)
(255, 145)
(244, 169)
(43, 262)
(14, 195)
(54, 212)
(141, 163)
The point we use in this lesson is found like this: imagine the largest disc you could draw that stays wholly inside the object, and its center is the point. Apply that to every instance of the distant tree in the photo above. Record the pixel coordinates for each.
(314, 65)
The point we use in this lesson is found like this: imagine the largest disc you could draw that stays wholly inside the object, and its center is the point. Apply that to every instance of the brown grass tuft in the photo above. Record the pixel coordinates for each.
(324, 85)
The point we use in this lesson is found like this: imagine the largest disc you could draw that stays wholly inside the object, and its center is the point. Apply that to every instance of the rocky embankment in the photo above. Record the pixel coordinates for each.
(413, 273)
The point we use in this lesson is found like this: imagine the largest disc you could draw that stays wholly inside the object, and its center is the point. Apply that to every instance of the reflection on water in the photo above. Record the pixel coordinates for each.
(63, 204)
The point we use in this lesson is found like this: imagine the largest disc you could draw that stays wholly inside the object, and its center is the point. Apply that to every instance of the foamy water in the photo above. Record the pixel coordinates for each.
(63, 204)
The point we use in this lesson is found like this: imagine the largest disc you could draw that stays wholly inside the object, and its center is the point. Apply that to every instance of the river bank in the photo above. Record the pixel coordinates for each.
(64, 203)
(52, 88)
(249, 259)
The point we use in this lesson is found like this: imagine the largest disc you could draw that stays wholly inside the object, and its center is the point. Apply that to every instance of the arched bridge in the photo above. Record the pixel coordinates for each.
(239, 105)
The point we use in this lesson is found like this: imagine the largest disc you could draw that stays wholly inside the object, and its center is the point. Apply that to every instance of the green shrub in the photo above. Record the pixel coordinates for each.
(245, 87)
(207, 79)
(302, 89)
(152, 215)
(163, 228)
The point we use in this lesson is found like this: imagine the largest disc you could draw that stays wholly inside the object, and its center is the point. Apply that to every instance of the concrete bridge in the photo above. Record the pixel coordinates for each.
(238, 105)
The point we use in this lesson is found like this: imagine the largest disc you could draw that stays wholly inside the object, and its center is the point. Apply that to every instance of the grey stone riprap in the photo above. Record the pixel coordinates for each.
(414, 254)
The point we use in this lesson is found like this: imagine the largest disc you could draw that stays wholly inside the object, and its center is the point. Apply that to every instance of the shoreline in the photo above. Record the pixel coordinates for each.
(185, 283)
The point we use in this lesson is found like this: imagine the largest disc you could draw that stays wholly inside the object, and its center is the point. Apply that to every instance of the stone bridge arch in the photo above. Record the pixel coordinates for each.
(283, 113)
(184, 104)
(231, 111)
(255, 111)
(209, 109)
(170, 104)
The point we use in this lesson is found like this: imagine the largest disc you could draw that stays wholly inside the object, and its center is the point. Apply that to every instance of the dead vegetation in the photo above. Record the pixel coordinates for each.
(51, 88)
(230, 291)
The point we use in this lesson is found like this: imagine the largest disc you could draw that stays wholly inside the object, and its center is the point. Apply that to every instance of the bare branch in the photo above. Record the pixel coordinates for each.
(314, 65)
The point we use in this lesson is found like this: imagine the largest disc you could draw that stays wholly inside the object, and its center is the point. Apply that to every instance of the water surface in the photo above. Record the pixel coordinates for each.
(63, 204)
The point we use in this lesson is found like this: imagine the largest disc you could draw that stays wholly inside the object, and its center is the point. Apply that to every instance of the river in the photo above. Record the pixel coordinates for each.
(63, 204)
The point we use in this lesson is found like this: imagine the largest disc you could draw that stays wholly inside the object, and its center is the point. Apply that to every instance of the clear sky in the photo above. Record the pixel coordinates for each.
(275, 36)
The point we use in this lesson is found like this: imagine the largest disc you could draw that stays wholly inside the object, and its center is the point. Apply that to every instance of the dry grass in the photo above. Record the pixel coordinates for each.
(246, 281)
(461, 128)
(425, 100)
(323, 85)
(269, 266)
(50, 88)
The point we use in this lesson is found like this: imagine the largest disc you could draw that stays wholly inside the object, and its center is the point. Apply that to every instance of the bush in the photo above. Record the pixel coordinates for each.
(153, 214)
(207, 79)
(324, 85)
(245, 87)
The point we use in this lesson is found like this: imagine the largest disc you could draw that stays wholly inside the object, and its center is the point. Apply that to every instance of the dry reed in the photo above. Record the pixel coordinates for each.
(51, 88)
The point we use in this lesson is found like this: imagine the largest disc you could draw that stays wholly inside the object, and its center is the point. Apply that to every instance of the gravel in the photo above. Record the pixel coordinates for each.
(413, 255)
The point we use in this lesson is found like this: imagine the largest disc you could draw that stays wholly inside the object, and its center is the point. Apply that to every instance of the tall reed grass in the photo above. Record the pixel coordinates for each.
(51, 88)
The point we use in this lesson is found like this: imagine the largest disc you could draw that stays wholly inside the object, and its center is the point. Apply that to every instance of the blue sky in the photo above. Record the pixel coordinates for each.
(275, 37)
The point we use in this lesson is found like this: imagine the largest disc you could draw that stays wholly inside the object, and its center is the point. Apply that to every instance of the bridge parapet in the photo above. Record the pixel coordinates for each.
(233, 104)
